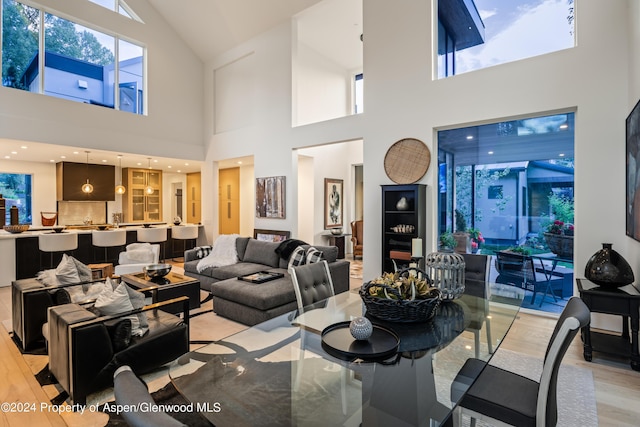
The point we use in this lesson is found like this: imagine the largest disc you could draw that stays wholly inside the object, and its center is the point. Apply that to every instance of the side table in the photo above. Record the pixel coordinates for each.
(339, 241)
(624, 302)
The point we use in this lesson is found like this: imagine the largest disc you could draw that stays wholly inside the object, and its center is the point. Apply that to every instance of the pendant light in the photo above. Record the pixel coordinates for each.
(149, 189)
(120, 189)
(87, 187)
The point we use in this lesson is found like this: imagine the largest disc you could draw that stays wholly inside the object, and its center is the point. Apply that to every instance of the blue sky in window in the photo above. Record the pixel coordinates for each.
(518, 29)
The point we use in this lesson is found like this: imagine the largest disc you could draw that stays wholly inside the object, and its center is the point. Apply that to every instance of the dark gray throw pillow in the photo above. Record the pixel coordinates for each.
(120, 333)
(262, 252)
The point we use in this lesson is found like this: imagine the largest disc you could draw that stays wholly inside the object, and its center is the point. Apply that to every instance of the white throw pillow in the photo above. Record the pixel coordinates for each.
(67, 272)
(116, 301)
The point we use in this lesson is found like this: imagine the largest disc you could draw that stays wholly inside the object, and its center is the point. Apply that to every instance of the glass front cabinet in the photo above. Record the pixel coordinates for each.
(143, 200)
(403, 220)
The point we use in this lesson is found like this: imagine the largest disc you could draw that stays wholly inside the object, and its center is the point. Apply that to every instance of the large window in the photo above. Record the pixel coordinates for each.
(16, 190)
(475, 34)
(79, 63)
(509, 180)
(510, 186)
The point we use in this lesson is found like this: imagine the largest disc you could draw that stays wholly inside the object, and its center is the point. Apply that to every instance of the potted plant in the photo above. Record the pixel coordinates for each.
(559, 237)
(558, 234)
(447, 242)
(463, 240)
(476, 239)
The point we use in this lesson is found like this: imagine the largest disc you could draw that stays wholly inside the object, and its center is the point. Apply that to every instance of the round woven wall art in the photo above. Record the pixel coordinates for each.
(407, 161)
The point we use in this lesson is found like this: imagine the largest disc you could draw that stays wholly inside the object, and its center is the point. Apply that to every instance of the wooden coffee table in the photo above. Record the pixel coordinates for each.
(172, 285)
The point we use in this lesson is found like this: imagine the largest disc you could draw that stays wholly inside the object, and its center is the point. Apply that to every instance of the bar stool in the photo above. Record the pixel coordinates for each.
(153, 235)
(184, 233)
(56, 243)
(107, 239)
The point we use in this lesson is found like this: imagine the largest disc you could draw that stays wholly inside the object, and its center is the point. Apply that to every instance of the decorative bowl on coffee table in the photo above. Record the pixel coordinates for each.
(155, 271)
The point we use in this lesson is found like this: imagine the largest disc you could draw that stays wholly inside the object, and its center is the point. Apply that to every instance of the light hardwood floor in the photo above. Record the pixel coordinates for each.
(617, 386)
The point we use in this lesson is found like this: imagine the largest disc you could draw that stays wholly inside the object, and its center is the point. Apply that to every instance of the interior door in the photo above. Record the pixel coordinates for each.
(229, 201)
(193, 198)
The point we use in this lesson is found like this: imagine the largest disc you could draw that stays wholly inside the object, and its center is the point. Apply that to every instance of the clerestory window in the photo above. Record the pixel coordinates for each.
(79, 63)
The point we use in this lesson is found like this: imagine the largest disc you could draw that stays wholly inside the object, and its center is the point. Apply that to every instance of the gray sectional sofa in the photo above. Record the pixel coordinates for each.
(252, 303)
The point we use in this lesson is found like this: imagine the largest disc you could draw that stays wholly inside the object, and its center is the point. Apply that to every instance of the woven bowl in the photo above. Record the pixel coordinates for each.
(18, 228)
(403, 311)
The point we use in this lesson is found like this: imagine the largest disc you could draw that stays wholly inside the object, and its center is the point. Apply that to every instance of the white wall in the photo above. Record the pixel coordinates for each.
(247, 200)
(174, 124)
(403, 101)
(321, 88)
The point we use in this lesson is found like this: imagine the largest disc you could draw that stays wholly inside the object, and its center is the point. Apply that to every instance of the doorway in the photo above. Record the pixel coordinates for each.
(229, 201)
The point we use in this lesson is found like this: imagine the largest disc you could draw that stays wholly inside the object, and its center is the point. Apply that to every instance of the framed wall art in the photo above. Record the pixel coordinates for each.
(632, 208)
(270, 197)
(271, 235)
(333, 202)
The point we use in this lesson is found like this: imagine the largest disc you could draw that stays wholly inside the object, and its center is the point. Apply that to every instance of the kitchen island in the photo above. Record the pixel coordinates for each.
(21, 257)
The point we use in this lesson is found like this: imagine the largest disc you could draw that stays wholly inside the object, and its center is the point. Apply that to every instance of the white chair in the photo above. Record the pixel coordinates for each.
(184, 233)
(153, 235)
(56, 243)
(108, 239)
(128, 264)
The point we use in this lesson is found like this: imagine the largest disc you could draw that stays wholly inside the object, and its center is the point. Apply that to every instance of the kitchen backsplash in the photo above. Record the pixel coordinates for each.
(74, 213)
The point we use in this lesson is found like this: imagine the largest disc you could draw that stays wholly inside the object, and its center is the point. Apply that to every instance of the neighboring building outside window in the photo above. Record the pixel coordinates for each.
(79, 63)
(475, 34)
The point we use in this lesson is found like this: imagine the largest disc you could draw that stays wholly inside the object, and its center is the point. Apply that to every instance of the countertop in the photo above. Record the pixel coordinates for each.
(80, 229)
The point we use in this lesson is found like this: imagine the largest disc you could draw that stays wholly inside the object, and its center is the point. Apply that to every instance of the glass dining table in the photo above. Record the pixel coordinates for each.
(279, 373)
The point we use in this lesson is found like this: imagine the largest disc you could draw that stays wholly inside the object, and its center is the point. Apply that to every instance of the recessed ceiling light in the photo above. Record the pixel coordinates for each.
(14, 152)
(564, 126)
(139, 164)
(561, 155)
(63, 157)
(169, 167)
(239, 163)
(186, 164)
(490, 152)
(52, 161)
(75, 152)
(179, 171)
(104, 161)
(24, 147)
(469, 137)
(7, 157)
(155, 161)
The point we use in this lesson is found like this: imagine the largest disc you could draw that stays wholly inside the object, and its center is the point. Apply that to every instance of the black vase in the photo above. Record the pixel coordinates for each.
(607, 268)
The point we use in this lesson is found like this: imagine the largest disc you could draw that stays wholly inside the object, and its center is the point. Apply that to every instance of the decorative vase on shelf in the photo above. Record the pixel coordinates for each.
(402, 204)
(608, 268)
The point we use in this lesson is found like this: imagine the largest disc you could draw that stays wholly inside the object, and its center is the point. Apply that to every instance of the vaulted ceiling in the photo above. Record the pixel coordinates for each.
(211, 27)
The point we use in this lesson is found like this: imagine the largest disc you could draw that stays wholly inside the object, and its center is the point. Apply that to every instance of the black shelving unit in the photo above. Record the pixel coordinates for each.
(396, 245)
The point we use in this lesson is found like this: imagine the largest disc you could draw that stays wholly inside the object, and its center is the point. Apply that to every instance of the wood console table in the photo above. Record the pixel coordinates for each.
(625, 302)
(338, 240)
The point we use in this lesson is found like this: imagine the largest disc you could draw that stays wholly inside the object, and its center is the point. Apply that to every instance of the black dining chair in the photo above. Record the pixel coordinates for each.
(131, 392)
(503, 397)
(476, 284)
